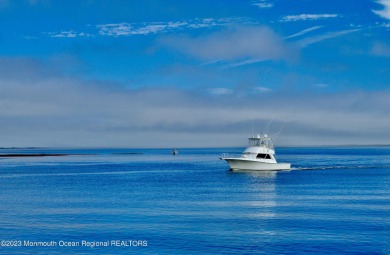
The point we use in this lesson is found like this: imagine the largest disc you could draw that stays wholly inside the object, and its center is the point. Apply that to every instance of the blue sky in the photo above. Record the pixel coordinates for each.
(193, 73)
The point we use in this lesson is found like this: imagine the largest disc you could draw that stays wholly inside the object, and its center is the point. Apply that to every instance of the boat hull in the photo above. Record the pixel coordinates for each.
(244, 164)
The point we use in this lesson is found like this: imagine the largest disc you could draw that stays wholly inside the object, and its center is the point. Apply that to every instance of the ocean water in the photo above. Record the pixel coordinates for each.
(133, 201)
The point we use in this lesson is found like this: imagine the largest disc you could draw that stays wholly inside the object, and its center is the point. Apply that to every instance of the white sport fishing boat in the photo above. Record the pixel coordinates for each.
(259, 156)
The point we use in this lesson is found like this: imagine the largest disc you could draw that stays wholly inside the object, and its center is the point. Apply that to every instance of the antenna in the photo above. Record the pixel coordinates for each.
(269, 123)
(280, 130)
(251, 129)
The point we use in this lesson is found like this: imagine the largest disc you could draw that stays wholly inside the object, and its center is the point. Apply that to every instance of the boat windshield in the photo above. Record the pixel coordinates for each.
(261, 141)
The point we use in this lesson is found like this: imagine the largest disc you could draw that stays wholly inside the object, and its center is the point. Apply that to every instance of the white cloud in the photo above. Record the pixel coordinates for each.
(262, 4)
(44, 110)
(308, 17)
(59, 112)
(385, 12)
(244, 43)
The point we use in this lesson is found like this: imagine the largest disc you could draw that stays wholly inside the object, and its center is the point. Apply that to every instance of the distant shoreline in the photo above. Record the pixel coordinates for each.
(21, 155)
(33, 155)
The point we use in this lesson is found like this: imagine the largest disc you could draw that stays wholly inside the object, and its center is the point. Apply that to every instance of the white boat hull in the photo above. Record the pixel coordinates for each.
(247, 164)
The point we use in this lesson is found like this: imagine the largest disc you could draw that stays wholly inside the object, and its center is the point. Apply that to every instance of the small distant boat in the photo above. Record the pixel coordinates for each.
(259, 156)
(175, 152)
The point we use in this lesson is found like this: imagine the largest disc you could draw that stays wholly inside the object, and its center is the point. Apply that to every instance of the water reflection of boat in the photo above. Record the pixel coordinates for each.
(259, 156)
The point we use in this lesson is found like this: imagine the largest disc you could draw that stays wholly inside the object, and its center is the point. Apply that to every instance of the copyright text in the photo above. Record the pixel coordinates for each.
(82, 243)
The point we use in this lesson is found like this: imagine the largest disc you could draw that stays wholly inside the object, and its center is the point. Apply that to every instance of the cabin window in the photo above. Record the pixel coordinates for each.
(265, 156)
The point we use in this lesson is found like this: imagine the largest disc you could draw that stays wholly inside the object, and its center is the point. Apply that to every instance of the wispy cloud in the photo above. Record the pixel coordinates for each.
(262, 4)
(147, 28)
(115, 29)
(303, 32)
(249, 61)
(68, 34)
(385, 12)
(310, 40)
(300, 17)
(126, 29)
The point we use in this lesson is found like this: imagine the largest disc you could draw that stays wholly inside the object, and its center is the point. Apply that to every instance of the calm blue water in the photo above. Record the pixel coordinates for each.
(335, 201)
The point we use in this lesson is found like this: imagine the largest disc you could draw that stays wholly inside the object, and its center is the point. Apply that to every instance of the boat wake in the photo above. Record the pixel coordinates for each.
(346, 167)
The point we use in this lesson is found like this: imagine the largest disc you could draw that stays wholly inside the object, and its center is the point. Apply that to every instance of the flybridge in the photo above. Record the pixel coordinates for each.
(262, 140)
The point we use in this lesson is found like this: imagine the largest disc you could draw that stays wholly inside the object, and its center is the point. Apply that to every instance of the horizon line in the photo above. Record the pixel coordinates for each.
(185, 147)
